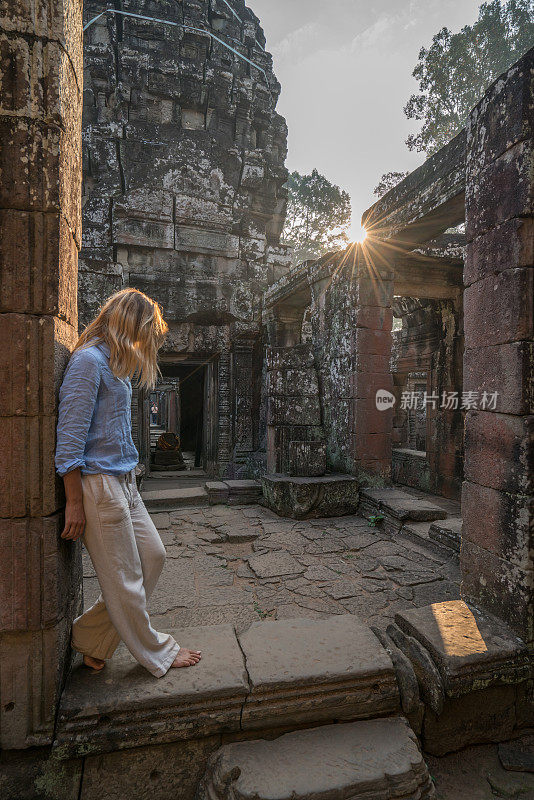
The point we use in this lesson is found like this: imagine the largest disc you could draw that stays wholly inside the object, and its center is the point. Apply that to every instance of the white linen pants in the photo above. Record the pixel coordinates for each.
(128, 556)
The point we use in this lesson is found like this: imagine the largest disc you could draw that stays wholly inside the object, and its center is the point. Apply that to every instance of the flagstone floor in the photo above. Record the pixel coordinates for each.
(241, 564)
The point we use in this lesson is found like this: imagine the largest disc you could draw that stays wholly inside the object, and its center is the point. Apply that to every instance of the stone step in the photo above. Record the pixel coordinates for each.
(447, 532)
(233, 493)
(418, 533)
(294, 673)
(171, 499)
(398, 507)
(372, 760)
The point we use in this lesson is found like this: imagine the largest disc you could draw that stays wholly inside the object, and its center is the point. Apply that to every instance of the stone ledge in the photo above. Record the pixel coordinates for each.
(471, 650)
(402, 506)
(305, 670)
(288, 672)
(175, 498)
(377, 759)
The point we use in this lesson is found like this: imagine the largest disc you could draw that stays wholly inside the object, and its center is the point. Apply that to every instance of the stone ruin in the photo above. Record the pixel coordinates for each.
(441, 677)
(184, 199)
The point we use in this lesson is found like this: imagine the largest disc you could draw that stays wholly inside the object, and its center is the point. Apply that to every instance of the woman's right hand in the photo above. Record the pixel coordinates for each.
(74, 520)
(74, 513)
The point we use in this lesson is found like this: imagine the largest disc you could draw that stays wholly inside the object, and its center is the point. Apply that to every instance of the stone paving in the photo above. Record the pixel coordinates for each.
(243, 563)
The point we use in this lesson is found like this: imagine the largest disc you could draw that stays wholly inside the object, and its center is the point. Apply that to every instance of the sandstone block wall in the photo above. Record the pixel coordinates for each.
(40, 233)
(497, 544)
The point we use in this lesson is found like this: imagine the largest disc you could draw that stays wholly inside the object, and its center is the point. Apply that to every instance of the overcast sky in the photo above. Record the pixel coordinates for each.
(346, 72)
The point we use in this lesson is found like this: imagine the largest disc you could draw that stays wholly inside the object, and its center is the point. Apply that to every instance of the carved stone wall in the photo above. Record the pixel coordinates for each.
(183, 183)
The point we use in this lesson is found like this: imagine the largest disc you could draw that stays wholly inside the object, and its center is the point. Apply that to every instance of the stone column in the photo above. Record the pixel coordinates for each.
(40, 176)
(370, 427)
(497, 544)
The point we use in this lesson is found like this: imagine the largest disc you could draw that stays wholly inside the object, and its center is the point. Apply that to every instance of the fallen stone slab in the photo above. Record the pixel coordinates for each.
(471, 650)
(124, 706)
(308, 498)
(447, 532)
(371, 760)
(175, 498)
(315, 670)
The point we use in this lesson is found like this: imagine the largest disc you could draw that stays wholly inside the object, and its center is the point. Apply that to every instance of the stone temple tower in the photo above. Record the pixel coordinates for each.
(184, 199)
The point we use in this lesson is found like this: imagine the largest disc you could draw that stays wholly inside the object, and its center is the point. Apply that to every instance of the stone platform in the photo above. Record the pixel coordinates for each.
(308, 498)
(377, 759)
(283, 673)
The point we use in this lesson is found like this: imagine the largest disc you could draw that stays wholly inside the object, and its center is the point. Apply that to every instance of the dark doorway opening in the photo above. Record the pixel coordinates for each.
(177, 406)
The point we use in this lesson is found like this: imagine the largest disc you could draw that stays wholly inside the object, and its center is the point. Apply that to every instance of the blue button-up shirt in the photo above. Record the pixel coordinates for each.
(94, 430)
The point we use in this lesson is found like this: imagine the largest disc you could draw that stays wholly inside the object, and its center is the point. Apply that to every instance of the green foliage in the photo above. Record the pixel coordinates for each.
(457, 68)
(374, 520)
(388, 181)
(318, 216)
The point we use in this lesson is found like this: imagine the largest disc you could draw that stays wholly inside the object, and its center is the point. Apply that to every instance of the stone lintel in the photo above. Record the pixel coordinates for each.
(304, 671)
(288, 672)
(427, 202)
(471, 650)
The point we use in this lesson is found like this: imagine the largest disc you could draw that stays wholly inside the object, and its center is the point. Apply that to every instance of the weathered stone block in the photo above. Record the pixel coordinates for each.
(499, 309)
(499, 451)
(503, 117)
(32, 246)
(32, 361)
(144, 233)
(293, 411)
(505, 527)
(303, 498)
(359, 682)
(61, 21)
(282, 358)
(144, 204)
(45, 151)
(166, 771)
(507, 246)
(201, 241)
(389, 765)
(504, 370)
(500, 191)
(307, 458)
(40, 579)
(470, 649)
(28, 483)
(32, 665)
(499, 587)
(484, 716)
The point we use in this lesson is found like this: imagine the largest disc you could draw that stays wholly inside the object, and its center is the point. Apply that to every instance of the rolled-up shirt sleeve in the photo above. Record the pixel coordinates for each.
(77, 399)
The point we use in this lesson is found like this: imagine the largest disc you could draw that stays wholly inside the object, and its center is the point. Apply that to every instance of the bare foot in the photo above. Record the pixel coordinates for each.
(95, 663)
(186, 658)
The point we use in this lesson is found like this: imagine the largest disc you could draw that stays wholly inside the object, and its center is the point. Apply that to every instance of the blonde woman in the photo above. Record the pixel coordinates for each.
(96, 457)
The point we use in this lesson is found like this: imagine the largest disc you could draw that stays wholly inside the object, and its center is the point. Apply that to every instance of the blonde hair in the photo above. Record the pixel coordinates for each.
(132, 326)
